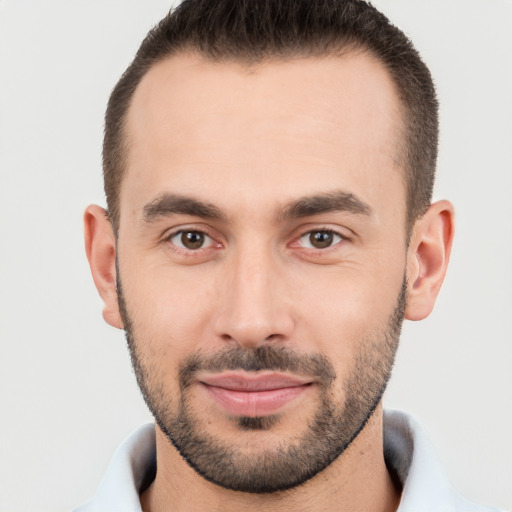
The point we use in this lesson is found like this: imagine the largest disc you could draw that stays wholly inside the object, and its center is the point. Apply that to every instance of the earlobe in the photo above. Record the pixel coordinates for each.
(100, 247)
(428, 256)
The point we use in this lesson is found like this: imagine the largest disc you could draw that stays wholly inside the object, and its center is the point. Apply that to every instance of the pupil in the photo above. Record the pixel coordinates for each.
(192, 239)
(320, 239)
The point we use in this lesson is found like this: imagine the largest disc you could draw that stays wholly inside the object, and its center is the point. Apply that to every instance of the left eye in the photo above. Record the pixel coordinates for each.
(321, 239)
(191, 240)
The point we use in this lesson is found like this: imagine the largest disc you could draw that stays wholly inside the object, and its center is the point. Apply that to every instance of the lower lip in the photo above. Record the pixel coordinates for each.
(254, 403)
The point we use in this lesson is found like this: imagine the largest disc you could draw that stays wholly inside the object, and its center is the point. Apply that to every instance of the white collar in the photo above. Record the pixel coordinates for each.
(408, 453)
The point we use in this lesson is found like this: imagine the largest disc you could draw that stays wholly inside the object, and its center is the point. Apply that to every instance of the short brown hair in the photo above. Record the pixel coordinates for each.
(254, 30)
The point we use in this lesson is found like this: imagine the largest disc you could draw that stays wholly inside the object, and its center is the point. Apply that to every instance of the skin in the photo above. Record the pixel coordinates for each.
(302, 127)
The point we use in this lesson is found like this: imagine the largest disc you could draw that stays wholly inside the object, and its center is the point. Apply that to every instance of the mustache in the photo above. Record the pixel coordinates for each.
(266, 357)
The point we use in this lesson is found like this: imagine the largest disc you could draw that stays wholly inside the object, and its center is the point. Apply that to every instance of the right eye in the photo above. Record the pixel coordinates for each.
(191, 240)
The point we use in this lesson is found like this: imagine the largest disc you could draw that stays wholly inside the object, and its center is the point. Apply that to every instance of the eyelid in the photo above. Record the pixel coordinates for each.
(343, 233)
(331, 232)
(208, 240)
(170, 232)
(177, 230)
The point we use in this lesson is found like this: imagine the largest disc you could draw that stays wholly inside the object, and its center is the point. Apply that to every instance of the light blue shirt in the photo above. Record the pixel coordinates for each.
(407, 451)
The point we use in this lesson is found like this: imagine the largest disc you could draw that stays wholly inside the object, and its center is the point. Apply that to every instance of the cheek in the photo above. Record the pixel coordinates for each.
(343, 309)
(170, 311)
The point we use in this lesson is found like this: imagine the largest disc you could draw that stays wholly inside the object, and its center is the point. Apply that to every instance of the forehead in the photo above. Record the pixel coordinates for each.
(278, 126)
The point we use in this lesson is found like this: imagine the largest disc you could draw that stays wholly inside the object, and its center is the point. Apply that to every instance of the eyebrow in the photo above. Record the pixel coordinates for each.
(171, 204)
(323, 203)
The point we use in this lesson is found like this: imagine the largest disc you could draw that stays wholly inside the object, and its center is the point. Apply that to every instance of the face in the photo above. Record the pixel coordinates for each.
(261, 259)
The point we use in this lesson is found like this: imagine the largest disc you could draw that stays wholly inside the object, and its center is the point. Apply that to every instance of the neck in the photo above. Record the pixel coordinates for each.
(357, 480)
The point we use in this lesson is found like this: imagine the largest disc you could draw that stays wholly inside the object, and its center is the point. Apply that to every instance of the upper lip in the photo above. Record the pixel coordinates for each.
(253, 381)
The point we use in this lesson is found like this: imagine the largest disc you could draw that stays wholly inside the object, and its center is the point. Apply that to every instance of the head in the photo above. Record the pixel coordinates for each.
(268, 169)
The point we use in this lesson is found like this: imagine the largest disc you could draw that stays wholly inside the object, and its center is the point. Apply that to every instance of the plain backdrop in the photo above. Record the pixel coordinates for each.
(67, 393)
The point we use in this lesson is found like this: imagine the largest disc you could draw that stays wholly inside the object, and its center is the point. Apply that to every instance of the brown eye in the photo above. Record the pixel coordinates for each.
(191, 240)
(321, 239)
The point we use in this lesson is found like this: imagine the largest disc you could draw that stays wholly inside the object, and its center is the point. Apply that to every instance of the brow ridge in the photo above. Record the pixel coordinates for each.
(172, 204)
(324, 203)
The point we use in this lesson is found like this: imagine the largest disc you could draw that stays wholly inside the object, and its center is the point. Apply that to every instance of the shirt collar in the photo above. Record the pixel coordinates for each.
(130, 468)
(409, 456)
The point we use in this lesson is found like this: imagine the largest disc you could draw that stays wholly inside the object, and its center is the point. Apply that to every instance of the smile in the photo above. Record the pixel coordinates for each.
(253, 395)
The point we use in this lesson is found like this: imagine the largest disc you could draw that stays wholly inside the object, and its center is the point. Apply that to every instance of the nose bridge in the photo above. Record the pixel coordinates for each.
(253, 310)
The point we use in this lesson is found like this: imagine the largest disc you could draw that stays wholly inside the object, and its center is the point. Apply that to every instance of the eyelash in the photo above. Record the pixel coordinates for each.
(217, 245)
(168, 239)
(327, 230)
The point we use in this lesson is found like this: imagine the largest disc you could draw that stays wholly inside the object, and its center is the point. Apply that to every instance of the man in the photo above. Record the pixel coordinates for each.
(269, 170)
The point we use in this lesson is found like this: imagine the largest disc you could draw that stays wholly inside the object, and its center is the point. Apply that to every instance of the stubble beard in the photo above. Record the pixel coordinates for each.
(328, 434)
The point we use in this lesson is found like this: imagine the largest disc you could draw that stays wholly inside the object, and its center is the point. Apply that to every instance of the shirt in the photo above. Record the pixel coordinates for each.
(409, 456)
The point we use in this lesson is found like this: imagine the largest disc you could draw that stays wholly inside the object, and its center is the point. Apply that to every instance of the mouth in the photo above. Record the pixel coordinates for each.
(253, 394)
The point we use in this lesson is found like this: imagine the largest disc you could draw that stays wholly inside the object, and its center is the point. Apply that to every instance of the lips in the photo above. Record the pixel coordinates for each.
(258, 394)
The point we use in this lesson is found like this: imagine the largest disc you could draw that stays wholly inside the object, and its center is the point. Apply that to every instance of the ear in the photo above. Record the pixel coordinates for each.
(427, 259)
(100, 246)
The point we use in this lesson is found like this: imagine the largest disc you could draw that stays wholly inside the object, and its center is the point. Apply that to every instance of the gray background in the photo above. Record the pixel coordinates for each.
(67, 394)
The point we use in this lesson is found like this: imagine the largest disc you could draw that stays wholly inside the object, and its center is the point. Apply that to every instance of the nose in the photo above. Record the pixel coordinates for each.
(253, 308)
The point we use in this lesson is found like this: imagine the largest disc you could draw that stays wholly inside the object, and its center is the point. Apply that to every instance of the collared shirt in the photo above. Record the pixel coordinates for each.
(408, 453)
